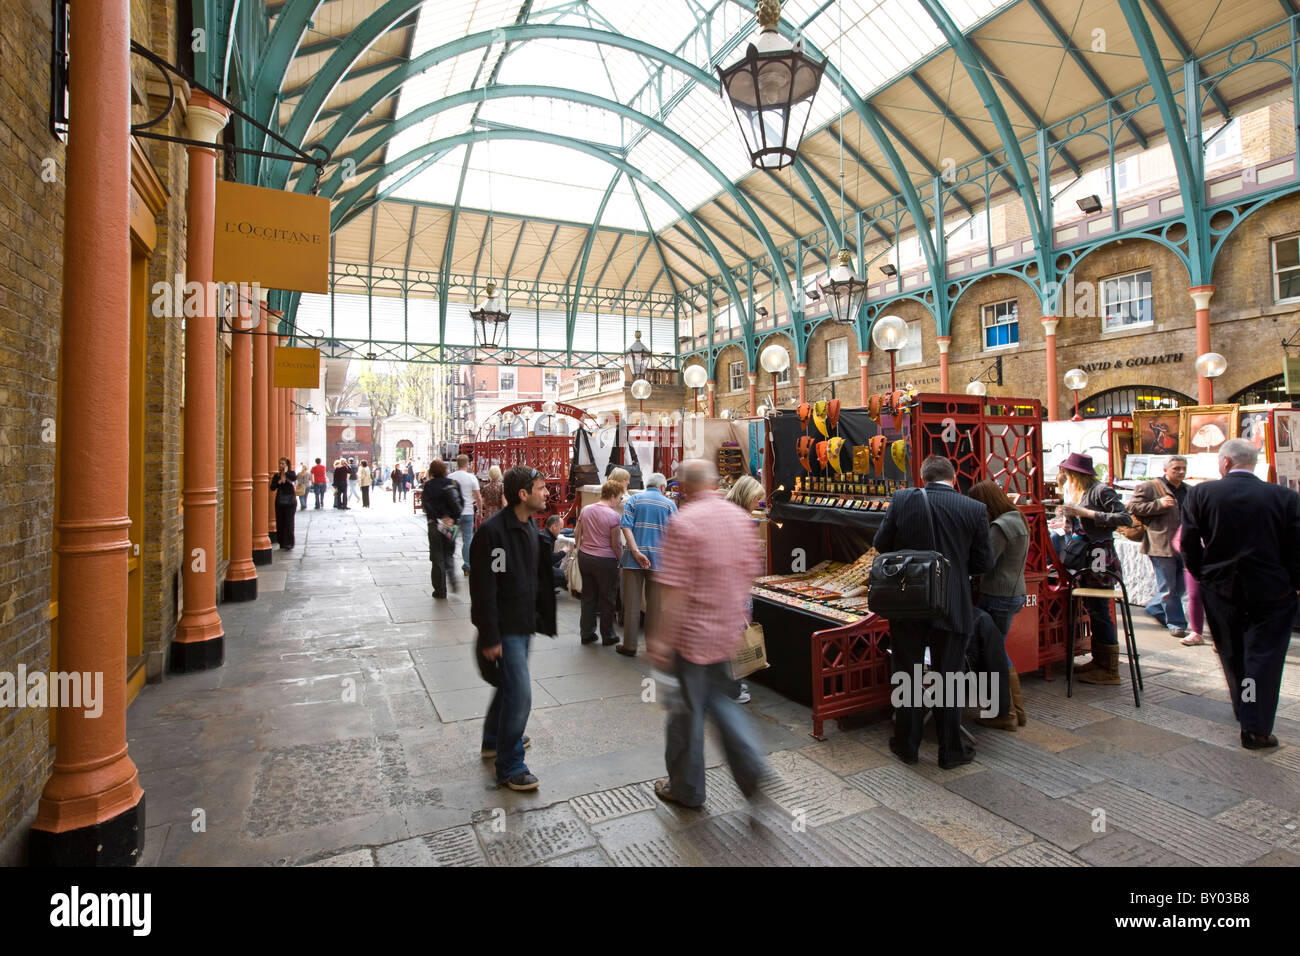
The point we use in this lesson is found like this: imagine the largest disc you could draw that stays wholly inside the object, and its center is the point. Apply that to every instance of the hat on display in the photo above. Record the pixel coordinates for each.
(819, 418)
(833, 448)
(805, 410)
(878, 443)
(1080, 464)
(898, 451)
(873, 408)
(821, 454)
(833, 414)
(804, 449)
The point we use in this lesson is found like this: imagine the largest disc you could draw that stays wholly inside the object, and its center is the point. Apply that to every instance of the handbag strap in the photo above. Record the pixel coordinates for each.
(929, 520)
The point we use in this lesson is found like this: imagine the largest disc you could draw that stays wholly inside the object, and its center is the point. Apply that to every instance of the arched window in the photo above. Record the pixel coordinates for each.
(1128, 398)
(1266, 390)
(405, 450)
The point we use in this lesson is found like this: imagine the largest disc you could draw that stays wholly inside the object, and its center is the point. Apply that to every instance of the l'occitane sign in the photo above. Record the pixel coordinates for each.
(296, 368)
(280, 240)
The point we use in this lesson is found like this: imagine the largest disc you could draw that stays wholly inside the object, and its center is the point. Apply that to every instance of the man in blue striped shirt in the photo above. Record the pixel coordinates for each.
(645, 516)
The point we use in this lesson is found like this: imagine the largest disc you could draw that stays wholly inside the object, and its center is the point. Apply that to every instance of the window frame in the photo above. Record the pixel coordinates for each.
(900, 362)
(550, 389)
(1277, 288)
(502, 391)
(984, 324)
(734, 376)
(1150, 297)
(830, 367)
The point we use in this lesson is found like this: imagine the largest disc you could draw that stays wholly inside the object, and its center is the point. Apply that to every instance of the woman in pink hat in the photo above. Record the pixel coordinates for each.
(1096, 511)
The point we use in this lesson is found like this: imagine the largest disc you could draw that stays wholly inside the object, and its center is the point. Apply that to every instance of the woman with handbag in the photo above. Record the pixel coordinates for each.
(599, 545)
(302, 484)
(1093, 511)
(440, 498)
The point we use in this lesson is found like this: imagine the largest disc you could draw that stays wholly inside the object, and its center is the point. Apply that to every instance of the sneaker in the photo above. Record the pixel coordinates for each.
(522, 781)
(743, 697)
(489, 754)
(1176, 631)
(1193, 640)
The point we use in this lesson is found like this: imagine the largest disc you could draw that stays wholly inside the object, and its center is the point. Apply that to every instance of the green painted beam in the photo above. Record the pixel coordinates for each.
(585, 257)
(1185, 51)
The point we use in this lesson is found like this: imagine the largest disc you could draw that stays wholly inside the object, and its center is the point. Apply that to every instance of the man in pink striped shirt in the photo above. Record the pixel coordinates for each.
(709, 560)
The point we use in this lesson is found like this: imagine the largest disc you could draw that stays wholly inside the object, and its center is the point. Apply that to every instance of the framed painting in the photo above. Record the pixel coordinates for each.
(1156, 431)
(1253, 425)
(1206, 427)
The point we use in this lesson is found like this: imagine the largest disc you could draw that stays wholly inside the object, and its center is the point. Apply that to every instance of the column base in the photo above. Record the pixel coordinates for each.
(115, 842)
(262, 557)
(198, 655)
(235, 591)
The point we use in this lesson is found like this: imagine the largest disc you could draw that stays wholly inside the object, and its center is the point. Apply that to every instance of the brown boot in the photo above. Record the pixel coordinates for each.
(1006, 722)
(1106, 671)
(1017, 698)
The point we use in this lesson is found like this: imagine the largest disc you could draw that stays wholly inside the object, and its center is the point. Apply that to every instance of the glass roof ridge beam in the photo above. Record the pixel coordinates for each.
(448, 247)
(1084, 66)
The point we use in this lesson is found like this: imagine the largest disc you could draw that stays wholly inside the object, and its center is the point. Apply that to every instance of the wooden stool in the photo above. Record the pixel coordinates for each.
(1118, 594)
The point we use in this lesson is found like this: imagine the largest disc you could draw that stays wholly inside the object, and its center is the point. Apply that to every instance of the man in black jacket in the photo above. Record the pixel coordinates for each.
(960, 534)
(341, 474)
(1241, 542)
(511, 597)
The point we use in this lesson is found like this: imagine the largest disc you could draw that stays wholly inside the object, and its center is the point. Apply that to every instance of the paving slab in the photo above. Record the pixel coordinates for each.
(1269, 824)
(1120, 848)
(458, 846)
(1243, 769)
(1036, 854)
(533, 836)
(1058, 823)
(1181, 787)
(885, 838)
(645, 839)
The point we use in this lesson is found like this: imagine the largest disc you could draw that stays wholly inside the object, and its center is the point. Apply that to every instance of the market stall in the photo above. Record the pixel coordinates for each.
(830, 481)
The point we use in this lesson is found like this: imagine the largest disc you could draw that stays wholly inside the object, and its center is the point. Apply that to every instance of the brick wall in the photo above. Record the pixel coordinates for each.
(31, 266)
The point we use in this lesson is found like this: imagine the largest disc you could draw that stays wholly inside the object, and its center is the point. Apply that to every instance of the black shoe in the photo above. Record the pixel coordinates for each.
(1257, 741)
(608, 642)
(902, 753)
(442, 596)
(589, 640)
(967, 755)
(522, 781)
(626, 651)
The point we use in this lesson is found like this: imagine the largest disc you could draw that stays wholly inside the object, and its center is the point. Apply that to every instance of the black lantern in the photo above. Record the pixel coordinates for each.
(489, 319)
(638, 357)
(772, 91)
(844, 291)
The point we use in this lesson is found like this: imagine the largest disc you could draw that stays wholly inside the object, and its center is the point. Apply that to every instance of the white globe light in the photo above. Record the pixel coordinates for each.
(762, 411)
(1211, 365)
(470, 425)
(549, 407)
(977, 388)
(890, 333)
(695, 376)
(640, 389)
(775, 358)
(508, 417)
(1076, 379)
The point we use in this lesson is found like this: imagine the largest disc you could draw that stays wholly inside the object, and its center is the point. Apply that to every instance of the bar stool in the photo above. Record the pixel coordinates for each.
(1118, 594)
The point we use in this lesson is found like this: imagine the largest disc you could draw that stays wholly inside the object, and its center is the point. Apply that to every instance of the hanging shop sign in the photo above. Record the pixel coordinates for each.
(277, 239)
(296, 368)
(1291, 374)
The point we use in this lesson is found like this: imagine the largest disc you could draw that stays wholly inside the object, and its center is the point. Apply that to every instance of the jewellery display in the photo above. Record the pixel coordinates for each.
(831, 589)
(849, 491)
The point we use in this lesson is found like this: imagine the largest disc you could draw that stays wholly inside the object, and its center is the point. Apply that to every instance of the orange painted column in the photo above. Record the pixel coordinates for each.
(1053, 410)
(272, 419)
(200, 635)
(944, 341)
(91, 811)
(261, 479)
(802, 369)
(241, 574)
(753, 393)
(863, 359)
(1201, 298)
(712, 390)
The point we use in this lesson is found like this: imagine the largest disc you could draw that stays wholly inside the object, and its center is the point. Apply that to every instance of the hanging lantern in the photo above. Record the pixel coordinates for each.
(844, 291)
(489, 319)
(771, 91)
(638, 357)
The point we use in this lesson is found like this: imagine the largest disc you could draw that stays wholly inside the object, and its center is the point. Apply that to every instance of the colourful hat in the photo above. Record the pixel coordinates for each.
(1080, 464)
(833, 448)
(819, 418)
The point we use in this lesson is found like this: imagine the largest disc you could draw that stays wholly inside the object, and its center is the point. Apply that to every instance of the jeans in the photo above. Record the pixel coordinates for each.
(303, 498)
(1167, 606)
(353, 492)
(993, 658)
(599, 582)
(443, 570)
(1103, 628)
(1002, 610)
(704, 690)
(466, 523)
(507, 716)
(318, 489)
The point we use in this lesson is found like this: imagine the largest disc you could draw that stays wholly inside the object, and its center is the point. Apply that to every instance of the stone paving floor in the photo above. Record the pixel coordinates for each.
(344, 727)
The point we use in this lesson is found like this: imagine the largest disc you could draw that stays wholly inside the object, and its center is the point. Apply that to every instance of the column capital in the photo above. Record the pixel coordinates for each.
(205, 118)
(863, 358)
(802, 369)
(1050, 322)
(944, 341)
(752, 377)
(1201, 295)
(710, 384)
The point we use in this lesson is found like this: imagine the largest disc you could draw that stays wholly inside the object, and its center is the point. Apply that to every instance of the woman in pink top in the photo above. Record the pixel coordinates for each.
(598, 549)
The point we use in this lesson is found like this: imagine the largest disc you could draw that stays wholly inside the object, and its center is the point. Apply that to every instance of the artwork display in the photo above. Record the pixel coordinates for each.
(1157, 430)
(1206, 427)
(1137, 467)
(1253, 425)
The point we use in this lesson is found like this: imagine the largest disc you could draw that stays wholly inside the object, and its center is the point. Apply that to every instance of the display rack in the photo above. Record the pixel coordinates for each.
(832, 655)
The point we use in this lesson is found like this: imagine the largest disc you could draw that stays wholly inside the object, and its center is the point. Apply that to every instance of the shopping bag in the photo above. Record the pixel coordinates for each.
(751, 655)
(573, 576)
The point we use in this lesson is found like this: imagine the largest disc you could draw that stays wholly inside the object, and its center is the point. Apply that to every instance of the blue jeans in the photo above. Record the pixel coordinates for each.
(1103, 628)
(706, 689)
(1167, 606)
(466, 523)
(507, 716)
(318, 489)
(1002, 610)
